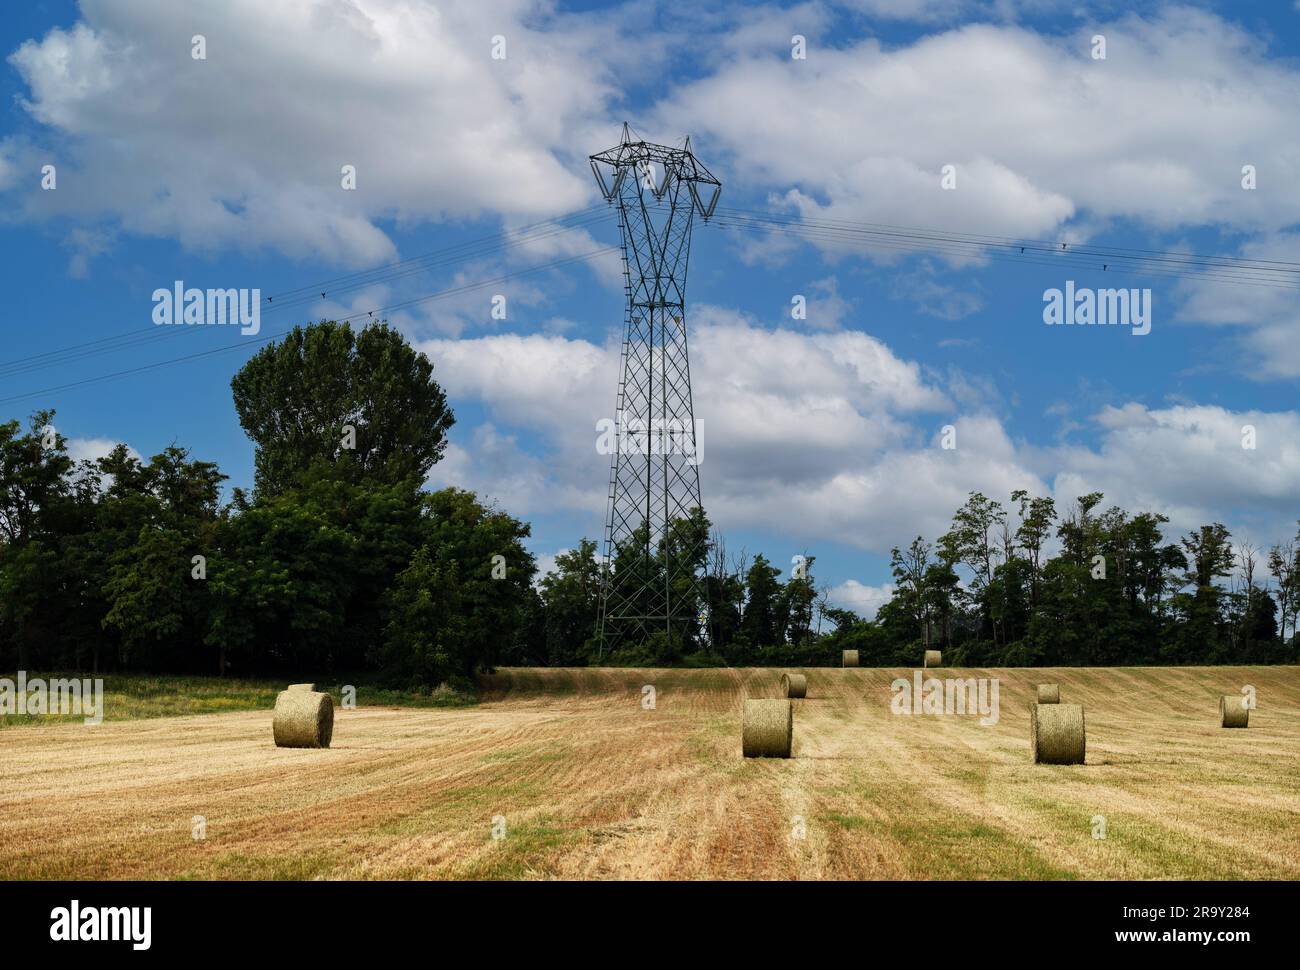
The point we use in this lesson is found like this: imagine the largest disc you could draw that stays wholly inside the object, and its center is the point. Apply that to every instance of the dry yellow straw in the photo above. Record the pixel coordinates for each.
(1056, 734)
(1233, 712)
(303, 719)
(767, 728)
(794, 685)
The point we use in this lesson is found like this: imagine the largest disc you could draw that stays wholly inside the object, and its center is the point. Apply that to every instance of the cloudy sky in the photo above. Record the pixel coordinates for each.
(821, 435)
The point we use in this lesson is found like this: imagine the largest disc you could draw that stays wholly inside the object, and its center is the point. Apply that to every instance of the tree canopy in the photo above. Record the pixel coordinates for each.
(365, 403)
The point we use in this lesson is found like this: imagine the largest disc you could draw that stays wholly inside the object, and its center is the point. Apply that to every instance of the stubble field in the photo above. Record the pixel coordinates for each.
(583, 782)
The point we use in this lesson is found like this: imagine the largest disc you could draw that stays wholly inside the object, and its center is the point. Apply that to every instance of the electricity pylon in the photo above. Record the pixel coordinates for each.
(653, 557)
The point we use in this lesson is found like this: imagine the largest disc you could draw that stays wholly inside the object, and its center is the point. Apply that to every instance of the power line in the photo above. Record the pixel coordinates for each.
(1012, 241)
(506, 234)
(388, 275)
(248, 344)
(401, 269)
(1278, 274)
(1240, 272)
(1062, 259)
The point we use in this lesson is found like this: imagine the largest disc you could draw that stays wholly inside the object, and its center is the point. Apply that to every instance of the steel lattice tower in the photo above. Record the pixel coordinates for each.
(653, 564)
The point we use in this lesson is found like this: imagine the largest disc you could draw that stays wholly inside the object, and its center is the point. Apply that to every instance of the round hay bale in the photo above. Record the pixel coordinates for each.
(849, 658)
(1233, 712)
(933, 658)
(307, 687)
(1056, 734)
(1049, 693)
(794, 685)
(303, 719)
(767, 729)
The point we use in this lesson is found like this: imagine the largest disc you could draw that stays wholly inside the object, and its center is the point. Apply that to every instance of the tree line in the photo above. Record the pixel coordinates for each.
(341, 559)
(1025, 586)
(1116, 591)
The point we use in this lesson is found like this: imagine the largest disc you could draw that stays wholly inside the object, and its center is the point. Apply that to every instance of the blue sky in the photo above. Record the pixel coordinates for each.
(821, 435)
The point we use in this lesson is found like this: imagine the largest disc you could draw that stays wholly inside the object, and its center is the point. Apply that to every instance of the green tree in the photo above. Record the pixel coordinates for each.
(971, 541)
(1036, 518)
(683, 554)
(759, 626)
(798, 596)
(1284, 566)
(724, 592)
(570, 596)
(494, 571)
(280, 587)
(1199, 635)
(157, 518)
(298, 398)
(41, 506)
(425, 640)
(910, 569)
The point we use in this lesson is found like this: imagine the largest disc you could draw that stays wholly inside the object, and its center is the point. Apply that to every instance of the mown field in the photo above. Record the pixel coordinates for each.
(591, 785)
(128, 697)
